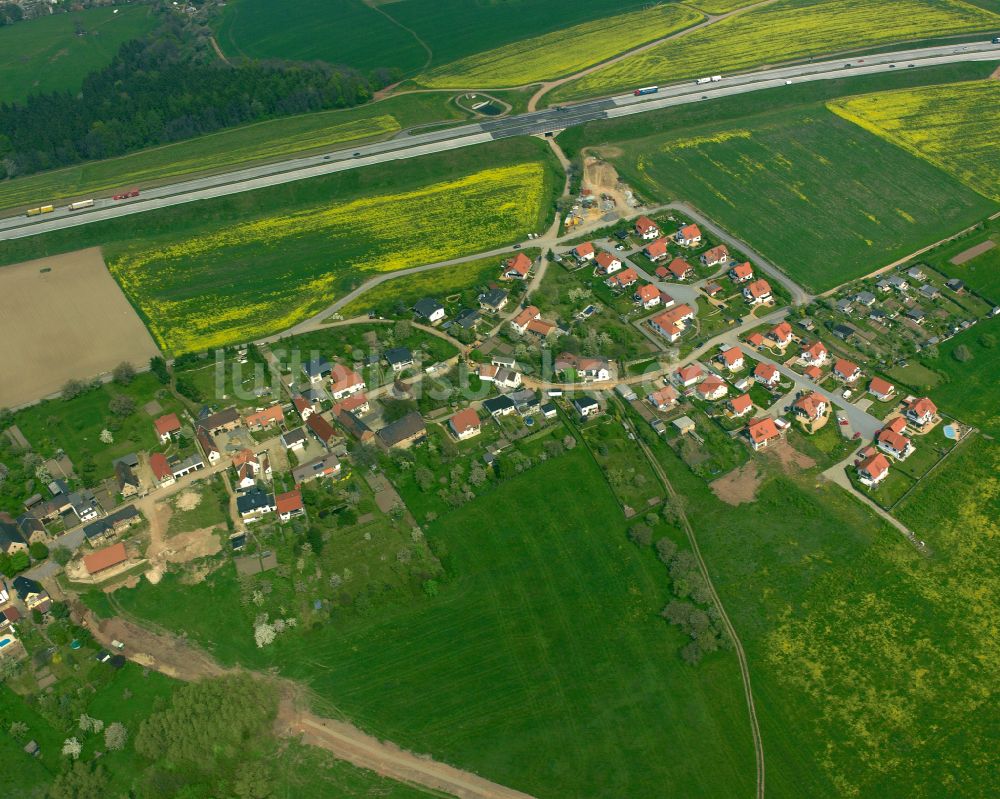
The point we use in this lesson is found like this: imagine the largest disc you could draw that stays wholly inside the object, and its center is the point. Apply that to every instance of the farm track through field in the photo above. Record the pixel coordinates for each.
(426, 48)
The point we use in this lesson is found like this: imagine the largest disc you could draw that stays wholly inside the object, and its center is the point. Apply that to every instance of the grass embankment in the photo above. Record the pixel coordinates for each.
(262, 141)
(555, 612)
(785, 31)
(54, 53)
(221, 271)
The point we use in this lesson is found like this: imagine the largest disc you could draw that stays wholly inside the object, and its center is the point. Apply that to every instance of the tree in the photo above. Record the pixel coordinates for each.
(4, 471)
(73, 388)
(90, 724)
(158, 366)
(38, 551)
(115, 736)
(123, 373)
(640, 534)
(987, 341)
(18, 730)
(402, 329)
(666, 549)
(122, 405)
(264, 634)
(424, 478)
(42, 474)
(691, 653)
(61, 555)
(80, 782)
(962, 353)
(106, 437)
(72, 748)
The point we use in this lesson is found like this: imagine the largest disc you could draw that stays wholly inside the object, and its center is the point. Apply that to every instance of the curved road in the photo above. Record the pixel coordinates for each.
(536, 122)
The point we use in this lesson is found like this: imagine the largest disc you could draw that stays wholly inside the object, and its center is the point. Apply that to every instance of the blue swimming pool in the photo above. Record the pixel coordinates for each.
(4, 642)
(950, 431)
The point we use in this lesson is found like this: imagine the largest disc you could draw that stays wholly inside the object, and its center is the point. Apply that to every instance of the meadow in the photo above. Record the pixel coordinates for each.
(872, 666)
(954, 127)
(547, 56)
(47, 55)
(555, 613)
(784, 31)
(720, 6)
(186, 269)
(799, 186)
(982, 273)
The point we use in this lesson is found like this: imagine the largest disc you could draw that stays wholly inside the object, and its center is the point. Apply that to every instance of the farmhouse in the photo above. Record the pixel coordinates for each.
(584, 252)
(493, 301)
(921, 411)
(316, 369)
(846, 370)
(896, 444)
(815, 354)
(326, 466)
(403, 433)
(712, 388)
(161, 469)
(517, 268)
(766, 375)
(648, 296)
(224, 421)
(646, 228)
(429, 309)
(733, 358)
(399, 358)
(265, 418)
(623, 279)
(656, 250)
(688, 236)
(289, 505)
(104, 559)
(762, 432)
(344, 382)
(167, 427)
(757, 292)
(680, 269)
(663, 399)
(465, 424)
(781, 334)
(873, 469)
(715, 256)
(607, 264)
(741, 273)
(741, 405)
(881, 389)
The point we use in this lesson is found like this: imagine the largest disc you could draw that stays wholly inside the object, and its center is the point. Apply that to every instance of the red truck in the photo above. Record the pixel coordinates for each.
(126, 194)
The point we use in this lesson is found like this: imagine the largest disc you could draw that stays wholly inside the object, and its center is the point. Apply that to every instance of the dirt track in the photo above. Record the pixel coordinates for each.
(64, 318)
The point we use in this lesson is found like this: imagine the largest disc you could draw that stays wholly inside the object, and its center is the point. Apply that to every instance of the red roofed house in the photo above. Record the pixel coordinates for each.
(344, 381)
(755, 340)
(623, 279)
(670, 324)
(646, 228)
(881, 389)
(846, 370)
(757, 292)
(656, 250)
(741, 405)
(762, 432)
(465, 424)
(105, 558)
(899, 446)
(167, 427)
(584, 252)
(517, 268)
(662, 272)
(873, 470)
(663, 399)
(897, 424)
(741, 273)
(356, 403)
(208, 445)
(767, 375)
(815, 354)
(688, 375)
(161, 469)
(688, 236)
(921, 411)
(648, 296)
(712, 388)
(814, 373)
(680, 269)
(303, 406)
(715, 256)
(289, 504)
(607, 264)
(541, 328)
(781, 334)
(732, 358)
(261, 420)
(811, 407)
(321, 428)
(520, 322)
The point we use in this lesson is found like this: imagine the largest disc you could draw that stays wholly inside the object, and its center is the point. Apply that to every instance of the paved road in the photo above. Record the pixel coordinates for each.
(558, 118)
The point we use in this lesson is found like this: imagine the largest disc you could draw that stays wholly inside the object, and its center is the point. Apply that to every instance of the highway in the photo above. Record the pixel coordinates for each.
(537, 122)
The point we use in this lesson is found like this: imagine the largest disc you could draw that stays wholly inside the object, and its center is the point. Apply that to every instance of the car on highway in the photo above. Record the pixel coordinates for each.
(892, 66)
(357, 155)
(911, 65)
(788, 83)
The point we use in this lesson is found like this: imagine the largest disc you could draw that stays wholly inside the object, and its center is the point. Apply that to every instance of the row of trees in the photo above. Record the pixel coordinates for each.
(160, 89)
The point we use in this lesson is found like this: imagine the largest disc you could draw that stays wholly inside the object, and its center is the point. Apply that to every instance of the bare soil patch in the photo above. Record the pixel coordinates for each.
(64, 318)
(739, 486)
(972, 252)
(188, 500)
(790, 458)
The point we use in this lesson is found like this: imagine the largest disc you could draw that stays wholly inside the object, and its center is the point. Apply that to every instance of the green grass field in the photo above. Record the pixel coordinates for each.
(262, 141)
(541, 663)
(784, 31)
(981, 274)
(186, 269)
(48, 55)
(800, 186)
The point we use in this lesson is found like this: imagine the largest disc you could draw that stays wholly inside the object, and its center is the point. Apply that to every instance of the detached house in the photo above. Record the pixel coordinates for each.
(255, 504)
(584, 252)
(517, 268)
(757, 292)
(31, 593)
(265, 418)
(316, 369)
(815, 354)
(161, 469)
(289, 505)
(294, 439)
(680, 269)
(741, 405)
(493, 300)
(223, 421)
(766, 375)
(520, 322)
(623, 280)
(663, 399)
(326, 466)
(712, 388)
(811, 407)
(322, 429)
(429, 309)
(656, 250)
(208, 446)
(846, 370)
(344, 382)
(399, 358)
(607, 264)
(715, 256)
(303, 406)
(688, 236)
(648, 296)
(465, 424)
(733, 358)
(355, 403)
(688, 376)
(896, 444)
(586, 407)
(167, 427)
(762, 432)
(670, 324)
(921, 411)
(646, 228)
(781, 334)
(873, 469)
(741, 273)
(881, 389)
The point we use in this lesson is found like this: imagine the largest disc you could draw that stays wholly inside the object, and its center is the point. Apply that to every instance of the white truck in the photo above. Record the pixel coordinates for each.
(700, 81)
(80, 205)
(716, 78)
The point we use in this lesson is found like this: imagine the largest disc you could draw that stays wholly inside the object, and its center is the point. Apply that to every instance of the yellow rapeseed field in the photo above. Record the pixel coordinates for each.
(562, 52)
(956, 127)
(783, 31)
(235, 283)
